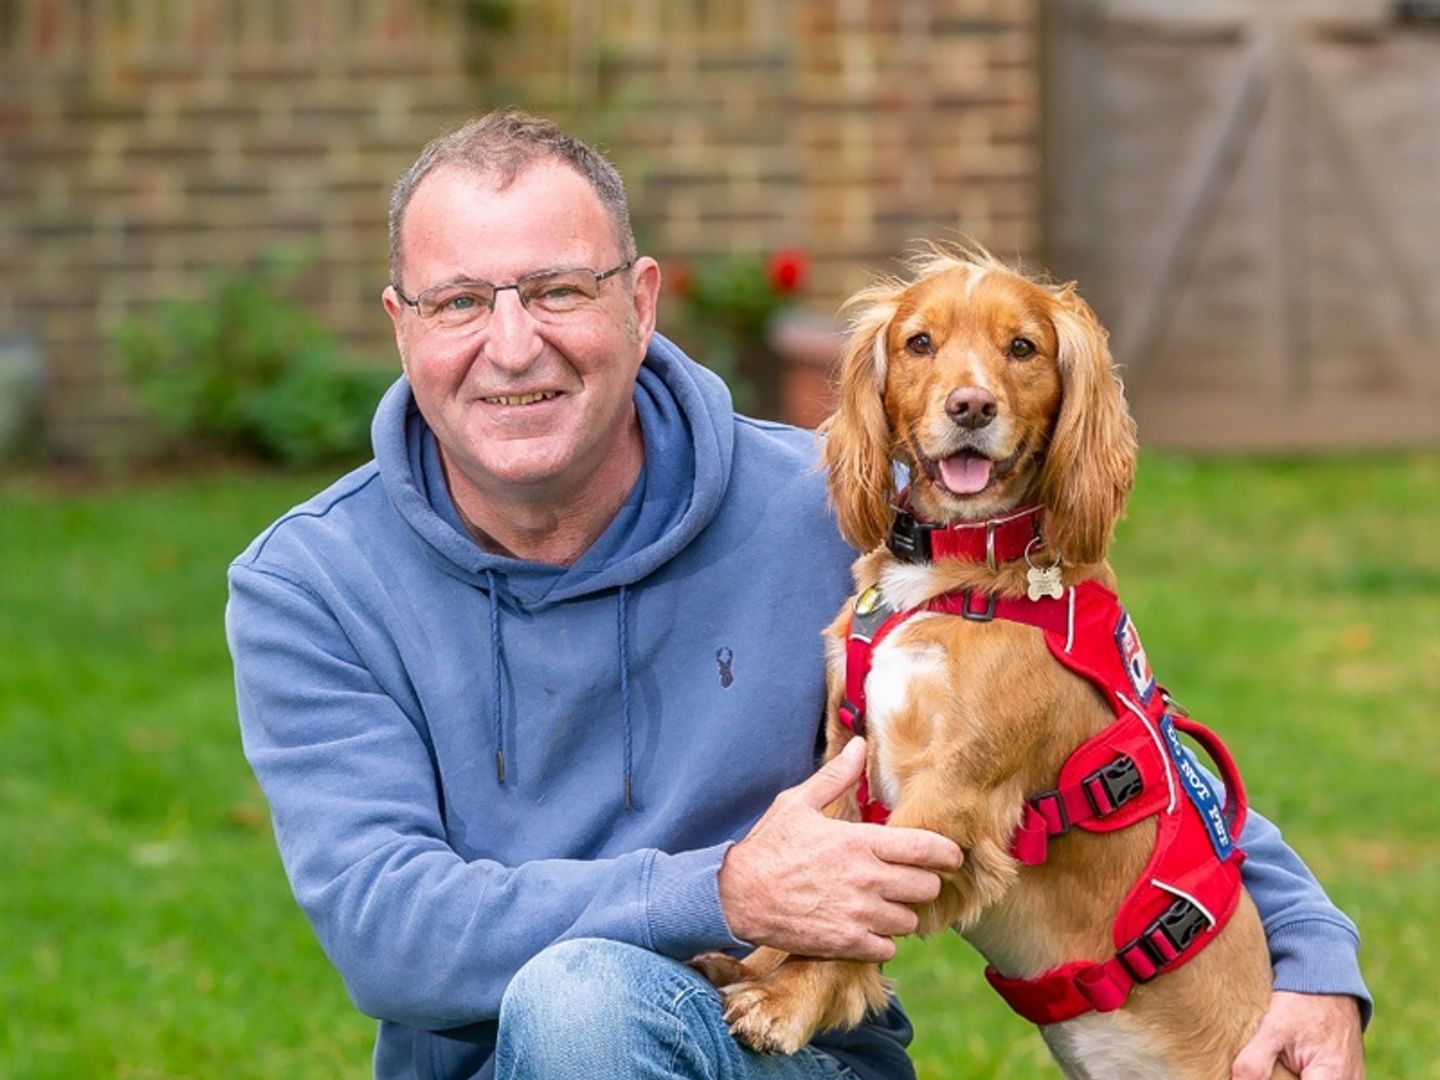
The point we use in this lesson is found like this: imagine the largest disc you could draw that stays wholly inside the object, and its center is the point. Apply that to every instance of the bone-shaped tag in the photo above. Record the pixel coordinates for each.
(1044, 582)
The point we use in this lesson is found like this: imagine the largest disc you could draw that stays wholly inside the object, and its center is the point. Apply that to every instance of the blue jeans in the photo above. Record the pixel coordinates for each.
(588, 1008)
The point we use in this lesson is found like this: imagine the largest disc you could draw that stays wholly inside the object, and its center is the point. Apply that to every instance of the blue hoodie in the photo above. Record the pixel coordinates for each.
(469, 757)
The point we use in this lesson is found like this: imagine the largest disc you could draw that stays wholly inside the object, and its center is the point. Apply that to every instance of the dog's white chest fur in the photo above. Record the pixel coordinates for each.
(1104, 1046)
(895, 671)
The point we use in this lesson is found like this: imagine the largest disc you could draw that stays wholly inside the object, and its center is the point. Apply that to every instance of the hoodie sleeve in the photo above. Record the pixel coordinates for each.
(1313, 945)
(420, 936)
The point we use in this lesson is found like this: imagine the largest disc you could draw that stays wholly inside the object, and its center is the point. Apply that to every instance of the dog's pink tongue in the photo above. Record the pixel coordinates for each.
(965, 474)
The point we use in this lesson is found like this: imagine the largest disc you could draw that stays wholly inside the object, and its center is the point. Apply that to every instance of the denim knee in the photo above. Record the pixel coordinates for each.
(567, 989)
(602, 1003)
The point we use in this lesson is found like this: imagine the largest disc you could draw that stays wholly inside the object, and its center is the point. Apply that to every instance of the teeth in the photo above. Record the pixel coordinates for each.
(522, 399)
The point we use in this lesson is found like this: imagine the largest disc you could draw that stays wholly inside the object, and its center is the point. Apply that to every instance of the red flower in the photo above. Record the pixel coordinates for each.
(787, 268)
(676, 278)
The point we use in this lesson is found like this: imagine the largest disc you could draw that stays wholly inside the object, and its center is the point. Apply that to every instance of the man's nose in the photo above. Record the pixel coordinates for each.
(512, 338)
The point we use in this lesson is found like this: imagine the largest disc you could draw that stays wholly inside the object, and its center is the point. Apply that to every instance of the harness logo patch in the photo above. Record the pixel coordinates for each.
(1132, 653)
(1201, 794)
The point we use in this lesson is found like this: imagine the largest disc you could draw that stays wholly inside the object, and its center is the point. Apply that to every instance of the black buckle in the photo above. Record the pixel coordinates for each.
(1121, 782)
(1180, 924)
(987, 615)
(909, 539)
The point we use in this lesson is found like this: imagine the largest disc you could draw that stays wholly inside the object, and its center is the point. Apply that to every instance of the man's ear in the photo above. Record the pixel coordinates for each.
(395, 308)
(647, 297)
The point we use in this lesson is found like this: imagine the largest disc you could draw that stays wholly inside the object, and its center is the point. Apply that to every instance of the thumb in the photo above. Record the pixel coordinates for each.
(835, 777)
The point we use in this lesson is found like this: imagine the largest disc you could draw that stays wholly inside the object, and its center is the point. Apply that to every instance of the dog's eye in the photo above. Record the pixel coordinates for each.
(1022, 348)
(919, 344)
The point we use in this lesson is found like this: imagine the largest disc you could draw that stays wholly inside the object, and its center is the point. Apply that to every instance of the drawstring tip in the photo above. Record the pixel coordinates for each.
(628, 804)
(500, 765)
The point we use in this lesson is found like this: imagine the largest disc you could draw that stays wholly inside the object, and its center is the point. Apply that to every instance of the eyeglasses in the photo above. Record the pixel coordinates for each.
(548, 295)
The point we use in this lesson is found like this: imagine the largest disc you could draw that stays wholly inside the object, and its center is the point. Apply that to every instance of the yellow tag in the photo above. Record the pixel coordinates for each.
(867, 601)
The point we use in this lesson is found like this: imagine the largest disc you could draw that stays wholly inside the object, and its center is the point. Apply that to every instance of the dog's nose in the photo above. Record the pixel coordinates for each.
(971, 407)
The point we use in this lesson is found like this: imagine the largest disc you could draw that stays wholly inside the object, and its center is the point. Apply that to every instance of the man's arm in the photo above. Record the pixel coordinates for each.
(1321, 1004)
(1313, 945)
(420, 936)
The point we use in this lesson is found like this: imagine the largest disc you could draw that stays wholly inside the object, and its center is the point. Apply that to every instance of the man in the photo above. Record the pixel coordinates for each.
(516, 688)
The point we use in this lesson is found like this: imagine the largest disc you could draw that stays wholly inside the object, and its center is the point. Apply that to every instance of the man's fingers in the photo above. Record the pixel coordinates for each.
(915, 847)
(895, 920)
(876, 948)
(835, 777)
(910, 885)
(1257, 1060)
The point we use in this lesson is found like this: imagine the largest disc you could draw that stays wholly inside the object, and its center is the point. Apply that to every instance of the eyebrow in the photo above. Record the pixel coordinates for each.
(461, 279)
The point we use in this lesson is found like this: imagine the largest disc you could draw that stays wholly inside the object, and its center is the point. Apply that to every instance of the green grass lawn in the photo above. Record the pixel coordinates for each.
(146, 930)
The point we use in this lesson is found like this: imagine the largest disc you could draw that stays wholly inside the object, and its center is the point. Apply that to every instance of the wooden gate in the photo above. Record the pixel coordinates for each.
(1249, 193)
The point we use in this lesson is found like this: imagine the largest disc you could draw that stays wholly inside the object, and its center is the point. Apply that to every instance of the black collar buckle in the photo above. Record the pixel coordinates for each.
(910, 539)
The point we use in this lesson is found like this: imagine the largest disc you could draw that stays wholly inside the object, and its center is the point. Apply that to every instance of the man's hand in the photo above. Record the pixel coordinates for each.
(1316, 1036)
(807, 884)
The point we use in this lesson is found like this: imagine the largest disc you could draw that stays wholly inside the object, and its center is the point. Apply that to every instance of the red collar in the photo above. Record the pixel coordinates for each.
(993, 542)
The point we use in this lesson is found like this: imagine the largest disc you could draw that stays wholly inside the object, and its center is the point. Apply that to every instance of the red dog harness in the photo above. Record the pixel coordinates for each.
(1132, 770)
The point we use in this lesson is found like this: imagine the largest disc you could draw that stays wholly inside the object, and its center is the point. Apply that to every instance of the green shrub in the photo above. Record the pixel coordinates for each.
(246, 369)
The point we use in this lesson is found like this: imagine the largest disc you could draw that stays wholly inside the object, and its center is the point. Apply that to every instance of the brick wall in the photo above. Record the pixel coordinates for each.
(846, 127)
(146, 141)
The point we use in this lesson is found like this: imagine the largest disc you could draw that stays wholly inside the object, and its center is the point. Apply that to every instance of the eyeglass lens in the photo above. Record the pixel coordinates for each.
(470, 303)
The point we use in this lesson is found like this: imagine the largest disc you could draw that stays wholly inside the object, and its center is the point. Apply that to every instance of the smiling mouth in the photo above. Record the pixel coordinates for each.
(969, 472)
(521, 399)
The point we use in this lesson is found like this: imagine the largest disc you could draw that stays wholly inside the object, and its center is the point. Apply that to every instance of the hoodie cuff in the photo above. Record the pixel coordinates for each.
(683, 903)
(1316, 956)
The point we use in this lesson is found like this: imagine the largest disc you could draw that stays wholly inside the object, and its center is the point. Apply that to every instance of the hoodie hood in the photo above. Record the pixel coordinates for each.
(687, 423)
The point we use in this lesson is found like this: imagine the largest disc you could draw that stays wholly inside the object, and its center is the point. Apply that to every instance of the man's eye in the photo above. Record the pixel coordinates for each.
(559, 292)
(459, 302)
(919, 344)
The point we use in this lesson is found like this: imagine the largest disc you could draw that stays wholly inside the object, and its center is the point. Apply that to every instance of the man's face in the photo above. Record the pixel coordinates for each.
(521, 406)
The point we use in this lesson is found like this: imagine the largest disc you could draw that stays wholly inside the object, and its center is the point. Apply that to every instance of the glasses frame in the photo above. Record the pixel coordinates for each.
(600, 277)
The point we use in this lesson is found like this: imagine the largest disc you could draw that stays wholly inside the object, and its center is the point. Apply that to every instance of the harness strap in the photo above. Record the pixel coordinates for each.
(1133, 769)
(1175, 936)
(1096, 797)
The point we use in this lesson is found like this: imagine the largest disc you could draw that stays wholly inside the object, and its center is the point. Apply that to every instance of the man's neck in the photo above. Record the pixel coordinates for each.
(555, 526)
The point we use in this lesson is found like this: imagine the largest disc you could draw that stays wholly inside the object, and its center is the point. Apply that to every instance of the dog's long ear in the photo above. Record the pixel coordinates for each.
(1090, 465)
(857, 437)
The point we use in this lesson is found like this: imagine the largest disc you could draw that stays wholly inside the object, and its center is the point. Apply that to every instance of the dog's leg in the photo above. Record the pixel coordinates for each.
(775, 1002)
(724, 970)
(782, 1011)
(981, 821)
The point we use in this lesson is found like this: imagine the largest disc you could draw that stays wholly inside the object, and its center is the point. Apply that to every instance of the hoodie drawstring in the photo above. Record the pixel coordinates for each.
(495, 676)
(625, 691)
(497, 669)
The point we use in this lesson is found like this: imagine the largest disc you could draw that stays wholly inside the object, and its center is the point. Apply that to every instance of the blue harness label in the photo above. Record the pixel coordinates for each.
(1198, 788)
(1132, 653)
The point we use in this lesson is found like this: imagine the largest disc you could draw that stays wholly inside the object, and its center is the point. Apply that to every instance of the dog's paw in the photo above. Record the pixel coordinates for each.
(720, 969)
(764, 1021)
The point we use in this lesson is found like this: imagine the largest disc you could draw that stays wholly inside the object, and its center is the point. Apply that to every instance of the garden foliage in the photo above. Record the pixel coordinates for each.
(247, 369)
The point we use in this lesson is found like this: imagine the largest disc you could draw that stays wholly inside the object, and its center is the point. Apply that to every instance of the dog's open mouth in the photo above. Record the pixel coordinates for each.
(969, 472)
(965, 473)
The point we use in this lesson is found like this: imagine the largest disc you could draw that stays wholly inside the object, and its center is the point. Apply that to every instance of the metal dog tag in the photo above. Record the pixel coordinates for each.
(1044, 582)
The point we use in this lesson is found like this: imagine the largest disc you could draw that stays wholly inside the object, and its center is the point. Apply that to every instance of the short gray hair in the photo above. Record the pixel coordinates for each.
(503, 144)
